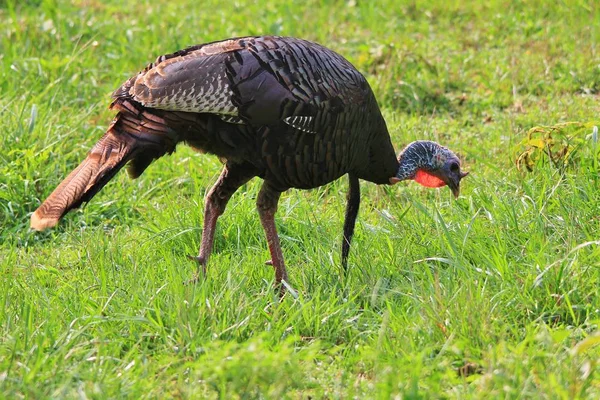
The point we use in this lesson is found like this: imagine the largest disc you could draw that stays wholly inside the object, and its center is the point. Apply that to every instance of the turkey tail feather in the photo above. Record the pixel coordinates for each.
(136, 136)
(105, 159)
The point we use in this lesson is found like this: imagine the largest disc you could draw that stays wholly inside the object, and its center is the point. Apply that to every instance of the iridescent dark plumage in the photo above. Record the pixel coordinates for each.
(292, 112)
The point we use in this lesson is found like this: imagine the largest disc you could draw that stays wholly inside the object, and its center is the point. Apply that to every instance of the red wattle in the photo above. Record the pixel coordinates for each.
(428, 180)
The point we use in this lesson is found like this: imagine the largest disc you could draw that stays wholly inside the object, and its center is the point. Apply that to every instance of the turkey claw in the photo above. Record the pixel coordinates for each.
(269, 262)
(201, 265)
(195, 279)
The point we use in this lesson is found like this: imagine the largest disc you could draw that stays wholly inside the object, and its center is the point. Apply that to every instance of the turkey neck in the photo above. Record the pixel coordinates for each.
(375, 158)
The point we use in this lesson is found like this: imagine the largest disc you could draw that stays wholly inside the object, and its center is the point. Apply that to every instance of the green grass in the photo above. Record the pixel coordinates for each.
(506, 278)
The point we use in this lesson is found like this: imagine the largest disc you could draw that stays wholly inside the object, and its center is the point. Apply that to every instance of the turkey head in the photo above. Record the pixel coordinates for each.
(431, 165)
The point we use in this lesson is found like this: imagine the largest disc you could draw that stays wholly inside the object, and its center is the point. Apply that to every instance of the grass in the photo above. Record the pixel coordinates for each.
(504, 282)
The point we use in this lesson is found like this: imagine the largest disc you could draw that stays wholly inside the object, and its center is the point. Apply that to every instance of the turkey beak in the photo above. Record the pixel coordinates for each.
(455, 187)
(454, 183)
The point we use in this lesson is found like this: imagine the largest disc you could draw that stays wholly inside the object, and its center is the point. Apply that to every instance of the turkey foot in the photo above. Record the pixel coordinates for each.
(201, 261)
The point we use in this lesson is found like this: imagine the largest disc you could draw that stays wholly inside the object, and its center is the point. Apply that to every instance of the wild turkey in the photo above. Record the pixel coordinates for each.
(289, 111)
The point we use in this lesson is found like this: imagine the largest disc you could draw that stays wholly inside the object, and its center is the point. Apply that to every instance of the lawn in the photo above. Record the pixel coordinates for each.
(493, 295)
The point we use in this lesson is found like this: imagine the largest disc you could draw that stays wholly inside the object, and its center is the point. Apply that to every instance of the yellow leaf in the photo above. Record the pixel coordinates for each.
(539, 143)
(587, 343)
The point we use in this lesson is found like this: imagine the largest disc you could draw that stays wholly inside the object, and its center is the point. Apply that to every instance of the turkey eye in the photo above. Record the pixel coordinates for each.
(454, 167)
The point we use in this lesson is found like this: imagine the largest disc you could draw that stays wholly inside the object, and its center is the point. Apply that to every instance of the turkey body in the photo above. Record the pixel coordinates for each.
(289, 111)
(297, 112)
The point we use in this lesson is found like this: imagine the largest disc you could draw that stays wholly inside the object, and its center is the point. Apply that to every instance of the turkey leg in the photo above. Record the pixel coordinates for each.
(232, 177)
(267, 200)
(351, 214)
